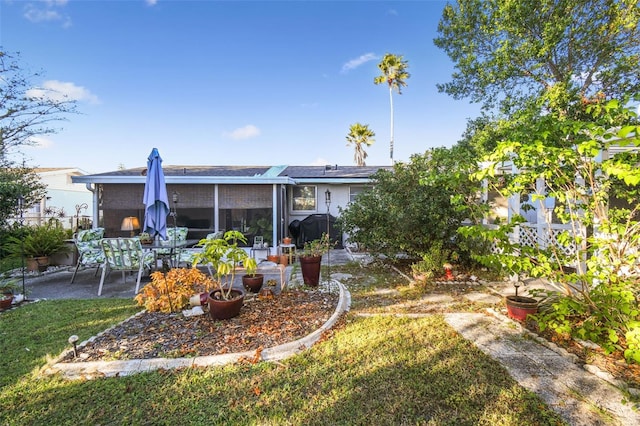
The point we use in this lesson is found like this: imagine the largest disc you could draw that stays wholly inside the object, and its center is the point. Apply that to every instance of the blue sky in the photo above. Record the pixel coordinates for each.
(232, 82)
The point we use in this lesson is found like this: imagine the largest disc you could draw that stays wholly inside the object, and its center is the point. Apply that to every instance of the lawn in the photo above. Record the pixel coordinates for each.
(372, 370)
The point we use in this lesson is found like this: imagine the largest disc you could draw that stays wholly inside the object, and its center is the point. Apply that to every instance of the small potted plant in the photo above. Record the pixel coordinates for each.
(311, 258)
(222, 256)
(8, 287)
(518, 307)
(145, 238)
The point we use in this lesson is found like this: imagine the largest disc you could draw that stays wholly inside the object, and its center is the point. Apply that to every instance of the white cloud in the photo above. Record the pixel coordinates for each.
(151, 2)
(392, 12)
(63, 91)
(246, 132)
(355, 63)
(319, 162)
(47, 11)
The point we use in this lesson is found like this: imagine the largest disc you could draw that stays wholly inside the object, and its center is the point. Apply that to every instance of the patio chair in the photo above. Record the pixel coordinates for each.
(174, 236)
(125, 255)
(185, 255)
(90, 252)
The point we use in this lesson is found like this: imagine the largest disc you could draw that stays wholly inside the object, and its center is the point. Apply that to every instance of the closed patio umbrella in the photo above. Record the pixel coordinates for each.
(155, 197)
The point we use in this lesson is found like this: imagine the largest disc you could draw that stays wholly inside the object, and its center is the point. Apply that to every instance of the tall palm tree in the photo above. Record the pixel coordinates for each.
(394, 73)
(359, 135)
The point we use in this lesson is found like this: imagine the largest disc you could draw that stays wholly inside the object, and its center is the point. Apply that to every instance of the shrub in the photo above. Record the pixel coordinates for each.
(170, 292)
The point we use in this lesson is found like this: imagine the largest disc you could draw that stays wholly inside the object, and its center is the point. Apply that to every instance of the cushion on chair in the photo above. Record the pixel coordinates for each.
(88, 244)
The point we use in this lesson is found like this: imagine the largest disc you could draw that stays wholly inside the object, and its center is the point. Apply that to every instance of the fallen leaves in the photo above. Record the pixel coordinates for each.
(261, 324)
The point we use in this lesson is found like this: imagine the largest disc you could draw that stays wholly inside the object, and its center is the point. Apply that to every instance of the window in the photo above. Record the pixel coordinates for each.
(354, 191)
(304, 198)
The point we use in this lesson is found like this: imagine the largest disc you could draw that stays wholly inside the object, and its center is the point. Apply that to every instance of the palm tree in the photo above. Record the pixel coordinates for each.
(394, 73)
(360, 134)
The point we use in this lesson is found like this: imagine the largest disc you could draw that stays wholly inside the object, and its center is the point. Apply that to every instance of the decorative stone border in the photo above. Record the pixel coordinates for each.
(95, 369)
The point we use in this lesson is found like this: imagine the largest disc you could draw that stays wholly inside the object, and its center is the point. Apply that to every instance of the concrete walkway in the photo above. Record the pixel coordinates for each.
(580, 397)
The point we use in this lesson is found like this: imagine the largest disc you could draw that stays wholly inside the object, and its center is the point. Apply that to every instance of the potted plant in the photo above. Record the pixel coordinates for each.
(253, 282)
(7, 290)
(145, 238)
(518, 307)
(38, 243)
(311, 258)
(222, 256)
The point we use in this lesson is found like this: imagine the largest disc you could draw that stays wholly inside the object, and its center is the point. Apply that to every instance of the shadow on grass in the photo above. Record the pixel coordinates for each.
(379, 370)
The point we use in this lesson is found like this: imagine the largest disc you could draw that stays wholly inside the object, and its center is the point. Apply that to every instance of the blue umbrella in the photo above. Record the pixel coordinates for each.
(155, 197)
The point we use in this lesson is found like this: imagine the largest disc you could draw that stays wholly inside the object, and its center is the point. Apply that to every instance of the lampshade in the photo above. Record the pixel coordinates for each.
(130, 223)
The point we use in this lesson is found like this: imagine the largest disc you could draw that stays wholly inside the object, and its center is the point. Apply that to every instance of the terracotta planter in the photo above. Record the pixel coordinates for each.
(518, 307)
(253, 283)
(221, 309)
(310, 266)
(37, 264)
(286, 240)
(284, 260)
(5, 302)
(273, 258)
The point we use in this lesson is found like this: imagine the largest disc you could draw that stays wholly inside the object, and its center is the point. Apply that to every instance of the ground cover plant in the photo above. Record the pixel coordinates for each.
(394, 370)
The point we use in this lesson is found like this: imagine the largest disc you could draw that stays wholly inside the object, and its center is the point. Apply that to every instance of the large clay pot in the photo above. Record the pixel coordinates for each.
(253, 283)
(310, 266)
(518, 307)
(221, 309)
(37, 264)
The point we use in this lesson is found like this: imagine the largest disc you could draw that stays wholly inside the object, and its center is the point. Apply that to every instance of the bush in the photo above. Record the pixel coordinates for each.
(418, 204)
(38, 240)
(170, 292)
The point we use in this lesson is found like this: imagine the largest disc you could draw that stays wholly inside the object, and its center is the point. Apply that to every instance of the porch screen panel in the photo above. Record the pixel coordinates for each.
(192, 196)
(245, 196)
(122, 196)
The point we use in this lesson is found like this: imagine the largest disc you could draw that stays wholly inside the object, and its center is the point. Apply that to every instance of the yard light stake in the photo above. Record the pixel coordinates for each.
(74, 340)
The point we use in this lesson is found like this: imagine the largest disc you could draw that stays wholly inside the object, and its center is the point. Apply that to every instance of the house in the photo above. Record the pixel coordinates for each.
(268, 201)
(65, 200)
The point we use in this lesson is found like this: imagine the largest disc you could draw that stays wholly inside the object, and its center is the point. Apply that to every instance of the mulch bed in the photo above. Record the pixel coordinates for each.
(261, 324)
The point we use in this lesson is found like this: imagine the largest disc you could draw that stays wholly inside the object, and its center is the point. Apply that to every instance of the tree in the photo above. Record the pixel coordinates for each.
(394, 73)
(550, 53)
(359, 135)
(589, 167)
(414, 206)
(25, 112)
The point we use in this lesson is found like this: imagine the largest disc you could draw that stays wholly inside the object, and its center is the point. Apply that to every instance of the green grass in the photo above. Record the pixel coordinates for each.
(374, 370)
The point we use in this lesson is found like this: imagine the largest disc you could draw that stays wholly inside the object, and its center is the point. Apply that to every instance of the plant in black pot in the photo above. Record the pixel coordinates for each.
(38, 243)
(518, 307)
(311, 258)
(222, 256)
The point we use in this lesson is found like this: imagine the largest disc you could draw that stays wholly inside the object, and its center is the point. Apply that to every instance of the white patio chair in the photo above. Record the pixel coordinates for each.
(126, 255)
(90, 252)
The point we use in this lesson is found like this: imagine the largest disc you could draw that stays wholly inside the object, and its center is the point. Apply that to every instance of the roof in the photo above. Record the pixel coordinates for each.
(240, 175)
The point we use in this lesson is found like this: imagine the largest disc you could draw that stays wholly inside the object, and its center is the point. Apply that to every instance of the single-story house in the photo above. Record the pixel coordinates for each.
(268, 201)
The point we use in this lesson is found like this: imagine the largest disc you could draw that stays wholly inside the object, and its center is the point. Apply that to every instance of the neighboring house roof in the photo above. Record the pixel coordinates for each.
(240, 175)
(58, 170)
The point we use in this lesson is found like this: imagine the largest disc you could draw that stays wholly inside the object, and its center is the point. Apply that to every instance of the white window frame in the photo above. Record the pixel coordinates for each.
(293, 199)
(360, 188)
